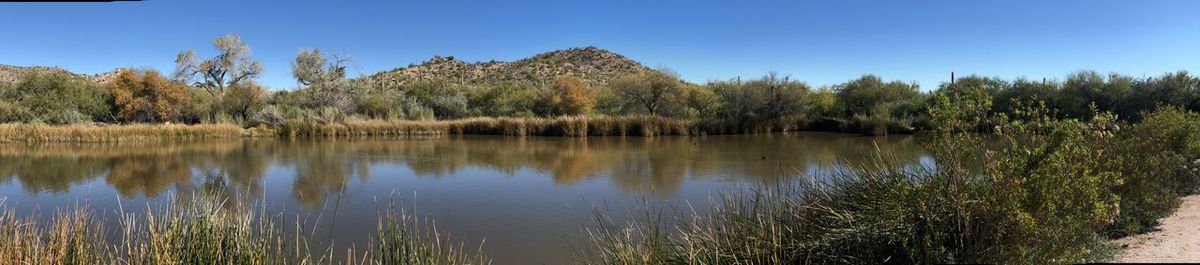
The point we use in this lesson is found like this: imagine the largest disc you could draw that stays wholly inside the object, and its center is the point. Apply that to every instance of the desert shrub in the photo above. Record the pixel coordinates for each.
(59, 98)
(10, 112)
(1179, 89)
(269, 115)
(863, 95)
(568, 96)
(762, 101)
(446, 100)
(502, 100)
(146, 96)
(1154, 180)
(1024, 90)
(1084, 88)
(1036, 192)
(201, 107)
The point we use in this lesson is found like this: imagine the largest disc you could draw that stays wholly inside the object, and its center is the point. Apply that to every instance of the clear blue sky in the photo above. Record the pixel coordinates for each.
(820, 42)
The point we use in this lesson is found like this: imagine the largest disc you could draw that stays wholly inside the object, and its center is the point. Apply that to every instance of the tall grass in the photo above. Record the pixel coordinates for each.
(119, 133)
(568, 126)
(559, 126)
(203, 230)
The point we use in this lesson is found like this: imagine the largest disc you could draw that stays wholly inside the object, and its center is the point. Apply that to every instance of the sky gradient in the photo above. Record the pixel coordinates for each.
(822, 43)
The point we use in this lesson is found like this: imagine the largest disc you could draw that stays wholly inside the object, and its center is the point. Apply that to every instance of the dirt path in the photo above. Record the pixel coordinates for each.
(1177, 241)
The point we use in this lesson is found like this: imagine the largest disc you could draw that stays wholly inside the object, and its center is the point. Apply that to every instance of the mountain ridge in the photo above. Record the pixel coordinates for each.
(595, 66)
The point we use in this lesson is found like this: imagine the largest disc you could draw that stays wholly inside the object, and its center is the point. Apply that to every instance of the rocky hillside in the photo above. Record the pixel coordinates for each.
(12, 74)
(593, 65)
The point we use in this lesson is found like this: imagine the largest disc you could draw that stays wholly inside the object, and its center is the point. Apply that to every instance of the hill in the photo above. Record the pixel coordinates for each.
(11, 74)
(593, 65)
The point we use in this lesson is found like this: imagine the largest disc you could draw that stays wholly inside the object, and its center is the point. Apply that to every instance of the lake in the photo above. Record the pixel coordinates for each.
(527, 198)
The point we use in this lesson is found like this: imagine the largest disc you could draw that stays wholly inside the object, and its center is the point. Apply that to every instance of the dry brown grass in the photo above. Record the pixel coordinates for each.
(122, 133)
(570, 126)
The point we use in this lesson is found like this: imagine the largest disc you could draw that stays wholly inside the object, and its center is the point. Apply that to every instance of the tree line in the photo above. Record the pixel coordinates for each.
(221, 88)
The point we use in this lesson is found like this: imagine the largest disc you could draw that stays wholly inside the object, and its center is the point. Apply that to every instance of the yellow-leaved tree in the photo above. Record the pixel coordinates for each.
(146, 96)
(571, 96)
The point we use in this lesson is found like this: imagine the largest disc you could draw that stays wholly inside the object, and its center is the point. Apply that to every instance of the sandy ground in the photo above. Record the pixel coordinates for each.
(1178, 239)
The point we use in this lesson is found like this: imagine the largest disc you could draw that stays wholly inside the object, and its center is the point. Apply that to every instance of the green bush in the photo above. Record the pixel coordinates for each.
(58, 98)
(1158, 158)
(1036, 191)
(10, 112)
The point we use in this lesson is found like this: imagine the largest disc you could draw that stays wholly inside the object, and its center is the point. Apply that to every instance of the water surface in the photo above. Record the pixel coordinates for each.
(528, 197)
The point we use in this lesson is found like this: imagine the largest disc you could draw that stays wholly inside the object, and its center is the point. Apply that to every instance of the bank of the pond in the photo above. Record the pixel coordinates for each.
(567, 126)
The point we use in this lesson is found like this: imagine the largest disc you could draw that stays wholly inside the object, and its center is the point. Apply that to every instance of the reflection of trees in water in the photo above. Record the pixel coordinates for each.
(147, 175)
(39, 174)
(133, 169)
(322, 168)
(653, 165)
(657, 165)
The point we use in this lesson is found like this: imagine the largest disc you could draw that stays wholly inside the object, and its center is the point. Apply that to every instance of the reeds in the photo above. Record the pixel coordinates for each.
(120, 133)
(203, 230)
(570, 126)
(567, 126)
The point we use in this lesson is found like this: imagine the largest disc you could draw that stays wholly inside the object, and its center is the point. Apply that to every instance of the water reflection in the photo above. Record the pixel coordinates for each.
(525, 196)
(655, 166)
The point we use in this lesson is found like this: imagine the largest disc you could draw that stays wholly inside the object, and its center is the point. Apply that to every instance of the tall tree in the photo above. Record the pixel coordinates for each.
(652, 91)
(230, 67)
(325, 80)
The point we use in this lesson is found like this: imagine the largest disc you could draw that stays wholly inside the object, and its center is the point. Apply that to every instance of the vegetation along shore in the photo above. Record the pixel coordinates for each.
(1027, 171)
(574, 92)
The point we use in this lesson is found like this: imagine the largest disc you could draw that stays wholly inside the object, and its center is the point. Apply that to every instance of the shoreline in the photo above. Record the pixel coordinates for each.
(563, 126)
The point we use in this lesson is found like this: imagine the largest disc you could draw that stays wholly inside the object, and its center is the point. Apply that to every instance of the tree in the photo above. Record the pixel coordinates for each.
(311, 68)
(701, 100)
(652, 91)
(782, 97)
(868, 94)
(230, 67)
(146, 96)
(766, 98)
(571, 97)
(244, 99)
(326, 81)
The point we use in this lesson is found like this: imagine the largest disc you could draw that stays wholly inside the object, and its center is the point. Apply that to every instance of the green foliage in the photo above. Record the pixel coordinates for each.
(1153, 180)
(1040, 189)
(503, 100)
(447, 101)
(1023, 90)
(652, 92)
(242, 100)
(201, 107)
(231, 67)
(55, 98)
(767, 98)
(700, 102)
(869, 94)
